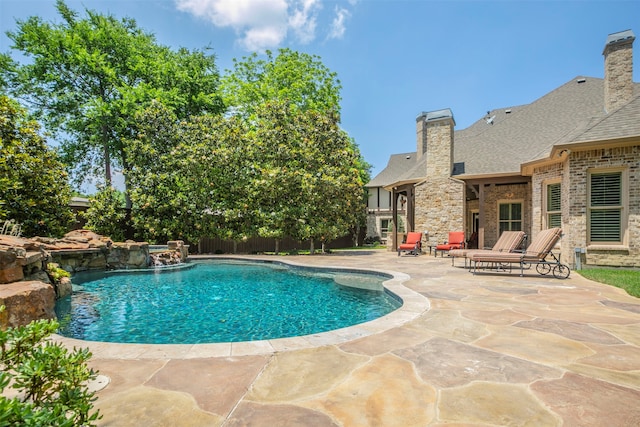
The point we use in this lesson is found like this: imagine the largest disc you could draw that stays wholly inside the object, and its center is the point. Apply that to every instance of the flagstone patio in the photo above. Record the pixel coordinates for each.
(492, 349)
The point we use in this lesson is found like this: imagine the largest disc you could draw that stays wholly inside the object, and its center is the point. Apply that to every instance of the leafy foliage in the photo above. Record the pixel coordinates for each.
(292, 173)
(51, 381)
(309, 183)
(297, 78)
(89, 76)
(33, 183)
(56, 273)
(106, 214)
(188, 176)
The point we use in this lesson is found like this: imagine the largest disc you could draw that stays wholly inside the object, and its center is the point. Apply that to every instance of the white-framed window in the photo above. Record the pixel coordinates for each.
(553, 204)
(509, 216)
(384, 228)
(607, 200)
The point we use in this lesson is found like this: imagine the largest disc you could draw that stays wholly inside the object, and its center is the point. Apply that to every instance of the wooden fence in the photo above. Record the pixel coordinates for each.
(261, 244)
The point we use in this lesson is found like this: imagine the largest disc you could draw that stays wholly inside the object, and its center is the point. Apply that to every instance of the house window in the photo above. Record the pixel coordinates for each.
(553, 206)
(510, 216)
(606, 207)
(384, 228)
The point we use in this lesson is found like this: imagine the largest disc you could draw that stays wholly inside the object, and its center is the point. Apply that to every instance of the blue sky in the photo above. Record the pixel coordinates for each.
(395, 59)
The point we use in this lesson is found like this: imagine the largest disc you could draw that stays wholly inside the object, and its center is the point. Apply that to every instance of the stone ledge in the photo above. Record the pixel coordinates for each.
(25, 302)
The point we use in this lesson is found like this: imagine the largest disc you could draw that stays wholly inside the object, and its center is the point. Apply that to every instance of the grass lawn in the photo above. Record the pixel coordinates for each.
(629, 280)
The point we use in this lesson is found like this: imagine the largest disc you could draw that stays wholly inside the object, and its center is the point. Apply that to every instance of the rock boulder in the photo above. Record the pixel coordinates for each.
(25, 302)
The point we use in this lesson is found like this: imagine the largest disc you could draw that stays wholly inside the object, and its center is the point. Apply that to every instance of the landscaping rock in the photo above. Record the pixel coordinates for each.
(25, 302)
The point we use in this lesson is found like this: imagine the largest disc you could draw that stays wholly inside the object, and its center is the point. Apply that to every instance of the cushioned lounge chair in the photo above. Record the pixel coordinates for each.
(455, 241)
(537, 253)
(509, 241)
(413, 243)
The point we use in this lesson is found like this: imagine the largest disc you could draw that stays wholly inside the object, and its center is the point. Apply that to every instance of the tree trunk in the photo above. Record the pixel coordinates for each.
(127, 196)
(312, 249)
(107, 156)
(277, 246)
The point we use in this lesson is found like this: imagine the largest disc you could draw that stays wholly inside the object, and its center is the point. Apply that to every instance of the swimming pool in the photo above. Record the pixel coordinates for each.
(220, 301)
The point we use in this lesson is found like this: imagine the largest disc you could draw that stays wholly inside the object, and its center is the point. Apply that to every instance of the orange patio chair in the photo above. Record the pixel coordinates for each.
(413, 244)
(456, 241)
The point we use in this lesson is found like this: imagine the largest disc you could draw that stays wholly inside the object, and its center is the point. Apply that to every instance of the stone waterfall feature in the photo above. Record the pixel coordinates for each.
(27, 291)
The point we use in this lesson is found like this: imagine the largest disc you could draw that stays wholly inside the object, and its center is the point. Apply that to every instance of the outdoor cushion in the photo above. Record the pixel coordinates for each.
(413, 243)
(509, 241)
(456, 241)
(537, 250)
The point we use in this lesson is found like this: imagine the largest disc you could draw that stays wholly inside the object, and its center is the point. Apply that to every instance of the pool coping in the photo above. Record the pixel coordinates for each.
(414, 304)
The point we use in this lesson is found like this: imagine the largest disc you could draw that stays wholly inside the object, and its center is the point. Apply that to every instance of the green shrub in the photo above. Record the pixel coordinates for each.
(106, 214)
(56, 273)
(50, 381)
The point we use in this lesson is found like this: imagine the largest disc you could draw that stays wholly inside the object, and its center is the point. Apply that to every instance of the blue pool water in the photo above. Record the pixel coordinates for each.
(220, 301)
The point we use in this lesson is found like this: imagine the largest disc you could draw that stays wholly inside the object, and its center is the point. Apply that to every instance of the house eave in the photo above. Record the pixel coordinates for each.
(486, 176)
(560, 152)
(397, 184)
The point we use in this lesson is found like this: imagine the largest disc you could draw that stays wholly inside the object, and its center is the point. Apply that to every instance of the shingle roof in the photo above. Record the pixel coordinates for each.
(398, 165)
(622, 123)
(530, 130)
(572, 113)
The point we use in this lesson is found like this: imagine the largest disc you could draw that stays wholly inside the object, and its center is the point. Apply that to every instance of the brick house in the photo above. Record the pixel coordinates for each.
(571, 159)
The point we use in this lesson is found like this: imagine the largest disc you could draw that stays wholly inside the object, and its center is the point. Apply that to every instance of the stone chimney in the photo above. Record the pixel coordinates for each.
(434, 138)
(437, 126)
(618, 69)
(439, 200)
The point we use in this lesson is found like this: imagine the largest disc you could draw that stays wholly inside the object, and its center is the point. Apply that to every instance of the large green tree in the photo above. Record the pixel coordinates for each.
(297, 78)
(293, 173)
(310, 185)
(190, 177)
(33, 182)
(87, 77)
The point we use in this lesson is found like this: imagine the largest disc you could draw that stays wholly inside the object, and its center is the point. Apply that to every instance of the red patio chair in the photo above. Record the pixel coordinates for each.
(456, 241)
(413, 244)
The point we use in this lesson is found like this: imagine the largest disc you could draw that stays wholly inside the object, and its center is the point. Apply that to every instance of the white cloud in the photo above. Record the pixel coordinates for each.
(259, 38)
(260, 24)
(303, 20)
(338, 25)
(266, 24)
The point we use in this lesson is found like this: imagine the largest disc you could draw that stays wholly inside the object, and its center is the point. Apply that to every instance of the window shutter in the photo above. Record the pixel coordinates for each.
(553, 197)
(605, 217)
(554, 205)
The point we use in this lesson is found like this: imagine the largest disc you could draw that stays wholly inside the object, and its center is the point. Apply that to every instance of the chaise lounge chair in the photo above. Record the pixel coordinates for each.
(413, 244)
(537, 252)
(456, 241)
(509, 241)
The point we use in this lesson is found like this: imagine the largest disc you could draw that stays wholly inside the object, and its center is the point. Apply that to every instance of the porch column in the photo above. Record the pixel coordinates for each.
(481, 217)
(394, 209)
(410, 208)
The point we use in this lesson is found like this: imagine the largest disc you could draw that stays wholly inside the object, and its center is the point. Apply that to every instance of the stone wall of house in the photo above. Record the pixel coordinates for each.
(439, 208)
(439, 199)
(626, 254)
(374, 221)
(493, 194)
